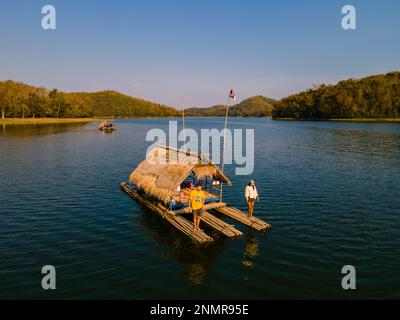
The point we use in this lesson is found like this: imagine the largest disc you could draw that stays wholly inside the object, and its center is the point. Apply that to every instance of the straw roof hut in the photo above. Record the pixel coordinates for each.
(165, 168)
(104, 123)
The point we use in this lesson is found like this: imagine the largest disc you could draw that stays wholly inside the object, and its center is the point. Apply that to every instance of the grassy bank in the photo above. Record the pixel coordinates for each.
(46, 120)
(342, 120)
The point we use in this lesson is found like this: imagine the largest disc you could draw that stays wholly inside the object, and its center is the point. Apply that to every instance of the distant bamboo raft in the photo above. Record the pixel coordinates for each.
(107, 126)
(240, 216)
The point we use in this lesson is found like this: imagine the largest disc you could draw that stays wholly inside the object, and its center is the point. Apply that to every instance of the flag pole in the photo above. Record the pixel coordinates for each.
(224, 141)
(183, 121)
(183, 117)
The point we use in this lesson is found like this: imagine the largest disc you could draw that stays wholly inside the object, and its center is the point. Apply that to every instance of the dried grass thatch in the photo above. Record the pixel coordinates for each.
(211, 171)
(165, 169)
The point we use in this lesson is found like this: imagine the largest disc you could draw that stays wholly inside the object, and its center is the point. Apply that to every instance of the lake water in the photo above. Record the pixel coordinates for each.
(330, 190)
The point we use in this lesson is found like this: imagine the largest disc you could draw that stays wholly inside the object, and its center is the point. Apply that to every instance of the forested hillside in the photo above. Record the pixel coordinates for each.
(372, 97)
(20, 100)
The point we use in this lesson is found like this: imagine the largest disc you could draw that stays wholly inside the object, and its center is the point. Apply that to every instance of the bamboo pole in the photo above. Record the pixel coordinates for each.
(206, 207)
(182, 224)
(224, 142)
(220, 225)
(240, 216)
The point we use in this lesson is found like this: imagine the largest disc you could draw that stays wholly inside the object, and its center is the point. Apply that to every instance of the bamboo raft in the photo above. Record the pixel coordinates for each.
(107, 126)
(220, 225)
(177, 221)
(108, 129)
(240, 216)
(165, 189)
(186, 226)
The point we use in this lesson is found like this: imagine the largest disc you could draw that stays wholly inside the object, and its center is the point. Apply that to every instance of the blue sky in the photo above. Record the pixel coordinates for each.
(163, 50)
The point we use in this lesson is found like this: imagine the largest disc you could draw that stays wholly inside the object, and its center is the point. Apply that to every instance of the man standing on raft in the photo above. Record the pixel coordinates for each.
(251, 195)
(196, 204)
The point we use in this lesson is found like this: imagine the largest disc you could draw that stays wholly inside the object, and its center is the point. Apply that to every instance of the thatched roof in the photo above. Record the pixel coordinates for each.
(164, 169)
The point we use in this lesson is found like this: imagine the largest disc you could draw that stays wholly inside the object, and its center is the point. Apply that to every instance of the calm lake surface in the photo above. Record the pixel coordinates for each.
(330, 190)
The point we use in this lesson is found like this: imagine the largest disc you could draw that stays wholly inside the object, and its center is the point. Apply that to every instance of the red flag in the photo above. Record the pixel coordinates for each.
(232, 95)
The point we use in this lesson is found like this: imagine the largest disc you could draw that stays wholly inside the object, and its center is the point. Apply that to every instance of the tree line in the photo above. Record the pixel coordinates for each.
(371, 97)
(19, 100)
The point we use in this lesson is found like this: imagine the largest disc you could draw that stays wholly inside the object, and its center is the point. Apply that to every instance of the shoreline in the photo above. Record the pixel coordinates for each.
(18, 121)
(22, 121)
(372, 120)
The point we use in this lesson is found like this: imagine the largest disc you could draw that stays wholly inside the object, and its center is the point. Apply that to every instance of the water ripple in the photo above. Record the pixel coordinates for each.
(330, 190)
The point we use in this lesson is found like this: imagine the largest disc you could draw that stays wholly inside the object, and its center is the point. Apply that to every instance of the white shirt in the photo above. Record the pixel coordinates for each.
(251, 192)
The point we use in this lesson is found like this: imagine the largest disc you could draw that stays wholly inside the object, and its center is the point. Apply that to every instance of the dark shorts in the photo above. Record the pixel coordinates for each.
(252, 200)
(198, 212)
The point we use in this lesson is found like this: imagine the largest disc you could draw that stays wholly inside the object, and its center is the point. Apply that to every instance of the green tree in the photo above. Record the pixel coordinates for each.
(59, 106)
(35, 104)
(371, 97)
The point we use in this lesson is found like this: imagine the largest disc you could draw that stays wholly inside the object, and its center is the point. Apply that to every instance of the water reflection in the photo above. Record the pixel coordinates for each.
(342, 142)
(196, 274)
(197, 260)
(251, 250)
(58, 185)
(107, 132)
(29, 130)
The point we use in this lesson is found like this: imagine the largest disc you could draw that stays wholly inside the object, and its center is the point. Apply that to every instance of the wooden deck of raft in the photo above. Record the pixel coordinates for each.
(177, 221)
(240, 216)
(184, 194)
(186, 226)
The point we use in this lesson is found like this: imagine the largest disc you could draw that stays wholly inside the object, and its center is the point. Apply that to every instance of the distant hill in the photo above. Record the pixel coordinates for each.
(214, 111)
(374, 97)
(105, 103)
(371, 97)
(258, 106)
(22, 101)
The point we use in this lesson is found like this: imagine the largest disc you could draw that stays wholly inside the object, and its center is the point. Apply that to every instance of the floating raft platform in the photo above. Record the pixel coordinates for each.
(220, 225)
(186, 226)
(110, 129)
(240, 216)
(179, 222)
(107, 126)
(212, 221)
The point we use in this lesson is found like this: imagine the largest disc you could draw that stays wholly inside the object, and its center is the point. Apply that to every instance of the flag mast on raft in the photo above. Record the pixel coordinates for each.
(183, 122)
(232, 95)
(183, 118)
